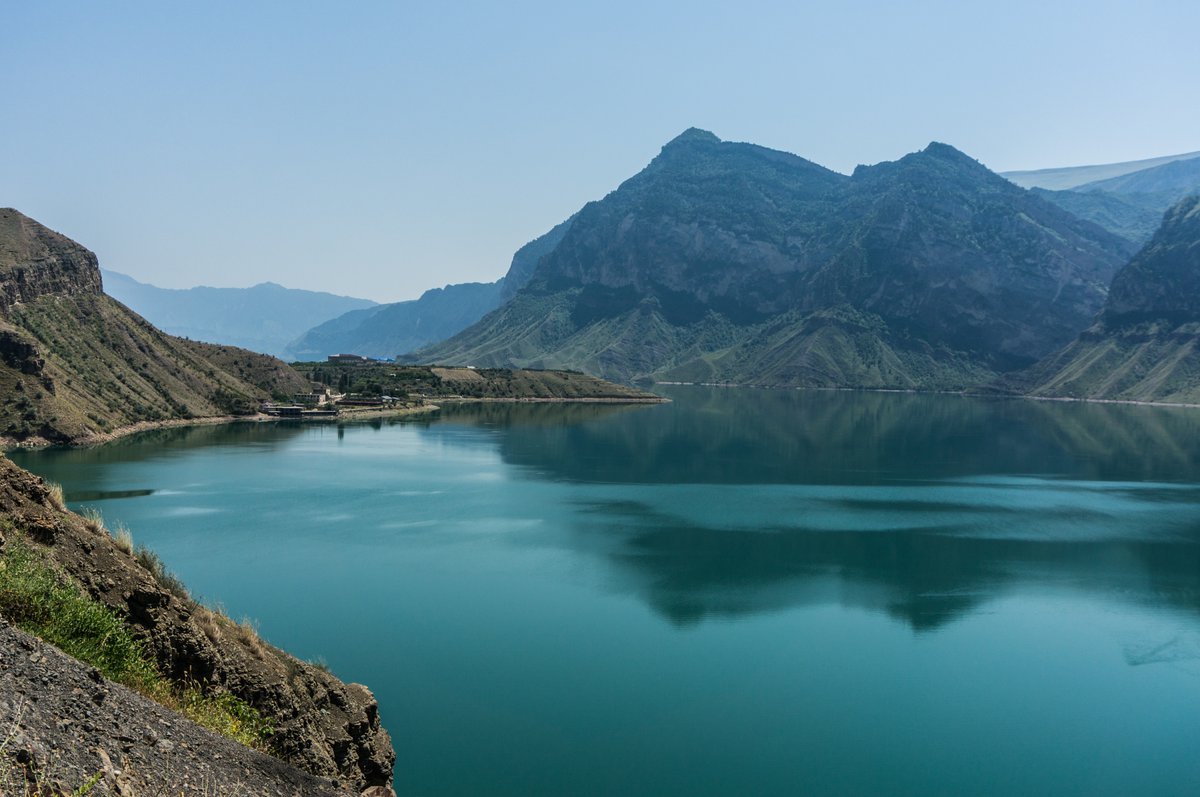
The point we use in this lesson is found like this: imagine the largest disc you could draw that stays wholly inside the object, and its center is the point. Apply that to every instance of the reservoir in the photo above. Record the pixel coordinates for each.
(743, 591)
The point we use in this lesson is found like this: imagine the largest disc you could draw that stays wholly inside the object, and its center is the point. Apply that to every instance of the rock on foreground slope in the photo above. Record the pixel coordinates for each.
(322, 726)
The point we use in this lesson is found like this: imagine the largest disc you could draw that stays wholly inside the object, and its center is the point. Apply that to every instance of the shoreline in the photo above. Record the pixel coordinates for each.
(963, 393)
(353, 415)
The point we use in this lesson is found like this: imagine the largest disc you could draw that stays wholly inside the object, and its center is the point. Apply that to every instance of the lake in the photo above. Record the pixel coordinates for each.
(741, 592)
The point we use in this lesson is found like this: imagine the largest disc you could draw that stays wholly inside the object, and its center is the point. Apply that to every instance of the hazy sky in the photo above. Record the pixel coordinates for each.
(379, 149)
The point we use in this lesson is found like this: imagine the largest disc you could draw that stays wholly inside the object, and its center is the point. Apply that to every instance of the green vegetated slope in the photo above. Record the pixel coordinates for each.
(1145, 345)
(735, 263)
(263, 318)
(75, 364)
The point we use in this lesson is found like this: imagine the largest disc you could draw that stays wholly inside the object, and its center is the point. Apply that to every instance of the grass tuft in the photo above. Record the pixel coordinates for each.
(93, 519)
(124, 538)
(165, 578)
(55, 496)
(44, 602)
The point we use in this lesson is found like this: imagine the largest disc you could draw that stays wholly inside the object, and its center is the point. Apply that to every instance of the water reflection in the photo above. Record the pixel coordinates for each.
(902, 504)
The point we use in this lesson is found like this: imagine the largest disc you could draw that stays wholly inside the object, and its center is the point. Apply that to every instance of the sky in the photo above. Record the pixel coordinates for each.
(381, 149)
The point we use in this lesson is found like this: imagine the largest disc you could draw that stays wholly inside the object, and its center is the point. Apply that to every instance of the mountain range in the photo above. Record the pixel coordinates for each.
(264, 318)
(730, 262)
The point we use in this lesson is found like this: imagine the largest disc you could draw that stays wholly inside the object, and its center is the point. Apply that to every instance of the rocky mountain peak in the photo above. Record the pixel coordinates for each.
(36, 261)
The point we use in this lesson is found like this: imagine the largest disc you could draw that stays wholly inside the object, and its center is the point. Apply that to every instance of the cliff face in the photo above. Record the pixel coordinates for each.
(323, 726)
(75, 365)
(36, 261)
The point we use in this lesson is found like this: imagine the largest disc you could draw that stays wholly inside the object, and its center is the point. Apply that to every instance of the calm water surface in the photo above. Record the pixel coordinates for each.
(741, 592)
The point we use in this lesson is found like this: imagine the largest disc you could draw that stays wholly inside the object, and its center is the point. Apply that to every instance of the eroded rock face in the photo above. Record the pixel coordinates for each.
(64, 726)
(36, 261)
(323, 726)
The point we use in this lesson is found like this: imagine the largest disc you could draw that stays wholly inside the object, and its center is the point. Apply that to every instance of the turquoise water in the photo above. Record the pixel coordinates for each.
(740, 592)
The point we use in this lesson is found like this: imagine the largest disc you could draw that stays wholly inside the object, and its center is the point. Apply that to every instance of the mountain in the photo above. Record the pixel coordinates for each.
(388, 330)
(731, 262)
(1127, 199)
(385, 330)
(264, 318)
(1145, 345)
(76, 364)
(1069, 177)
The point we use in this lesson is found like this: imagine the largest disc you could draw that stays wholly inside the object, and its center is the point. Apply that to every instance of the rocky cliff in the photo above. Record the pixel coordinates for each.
(75, 365)
(1145, 345)
(322, 726)
(36, 261)
(731, 262)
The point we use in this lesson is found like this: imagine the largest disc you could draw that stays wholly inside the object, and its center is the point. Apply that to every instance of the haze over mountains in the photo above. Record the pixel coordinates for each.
(733, 262)
(264, 318)
(387, 330)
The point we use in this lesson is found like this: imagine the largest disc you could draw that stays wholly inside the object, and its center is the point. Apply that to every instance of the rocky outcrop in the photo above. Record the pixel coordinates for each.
(64, 727)
(322, 726)
(35, 261)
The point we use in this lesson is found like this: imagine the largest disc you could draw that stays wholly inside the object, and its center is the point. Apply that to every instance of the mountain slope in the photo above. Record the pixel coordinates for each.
(75, 363)
(1145, 346)
(732, 262)
(392, 329)
(384, 331)
(263, 318)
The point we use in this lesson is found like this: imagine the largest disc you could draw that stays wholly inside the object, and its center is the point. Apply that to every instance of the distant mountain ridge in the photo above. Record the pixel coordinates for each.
(1145, 345)
(1072, 177)
(264, 318)
(386, 331)
(731, 262)
(76, 364)
(1127, 199)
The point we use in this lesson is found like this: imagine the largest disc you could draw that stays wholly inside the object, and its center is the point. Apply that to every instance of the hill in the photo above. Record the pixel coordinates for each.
(76, 365)
(1145, 345)
(263, 318)
(731, 262)
(389, 330)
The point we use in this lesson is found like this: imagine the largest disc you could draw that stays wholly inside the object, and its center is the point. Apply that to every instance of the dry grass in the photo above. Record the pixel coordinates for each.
(247, 634)
(56, 497)
(123, 538)
(93, 519)
(210, 623)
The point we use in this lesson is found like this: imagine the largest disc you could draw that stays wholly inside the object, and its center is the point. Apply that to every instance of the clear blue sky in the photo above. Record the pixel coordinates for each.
(380, 149)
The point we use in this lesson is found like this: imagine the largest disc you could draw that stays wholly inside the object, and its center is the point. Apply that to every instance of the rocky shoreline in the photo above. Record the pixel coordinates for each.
(322, 726)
